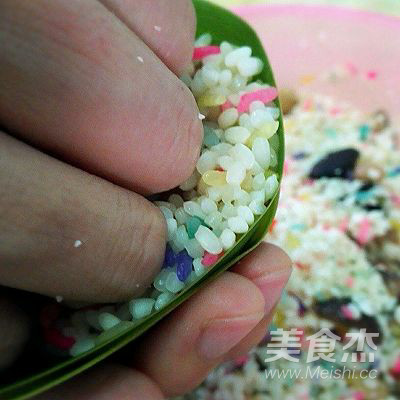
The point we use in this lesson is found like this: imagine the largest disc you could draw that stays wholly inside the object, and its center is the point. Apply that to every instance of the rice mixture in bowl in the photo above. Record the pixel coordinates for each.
(339, 220)
(235, 178)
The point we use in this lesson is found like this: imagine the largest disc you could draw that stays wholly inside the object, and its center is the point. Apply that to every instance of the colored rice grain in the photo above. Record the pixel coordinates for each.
(235, 177)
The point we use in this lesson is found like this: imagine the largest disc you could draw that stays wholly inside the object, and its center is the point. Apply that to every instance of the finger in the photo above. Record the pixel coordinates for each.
(269, 270)
(215, 324)
(269, 277)
(76, 82)
(252, 339)
(200, 334)
(167, 27)
(14, 332)
(66, 233)
(108, 382)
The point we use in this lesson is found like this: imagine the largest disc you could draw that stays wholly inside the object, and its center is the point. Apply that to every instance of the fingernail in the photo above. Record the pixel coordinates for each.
(271, 286)
(221, 335)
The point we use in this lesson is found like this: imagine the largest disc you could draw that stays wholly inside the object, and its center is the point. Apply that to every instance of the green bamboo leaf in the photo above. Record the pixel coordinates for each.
(223, 25)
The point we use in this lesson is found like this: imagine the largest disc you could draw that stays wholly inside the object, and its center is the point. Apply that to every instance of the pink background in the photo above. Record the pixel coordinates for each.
(306, 43)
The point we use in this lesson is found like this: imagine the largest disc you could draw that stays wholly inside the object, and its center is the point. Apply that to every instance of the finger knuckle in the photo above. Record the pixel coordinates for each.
(184, 145)
(136, 247)
(181, 44)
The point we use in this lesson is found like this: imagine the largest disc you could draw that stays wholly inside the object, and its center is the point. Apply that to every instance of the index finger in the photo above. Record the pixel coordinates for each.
(78, 83)
(166, 26)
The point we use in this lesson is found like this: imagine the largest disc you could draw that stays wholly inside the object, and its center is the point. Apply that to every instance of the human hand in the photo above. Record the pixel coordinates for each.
(92, 84)
(220, 322)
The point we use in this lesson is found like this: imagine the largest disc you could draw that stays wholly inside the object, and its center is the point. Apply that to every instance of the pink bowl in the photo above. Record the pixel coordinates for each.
(349, 54)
